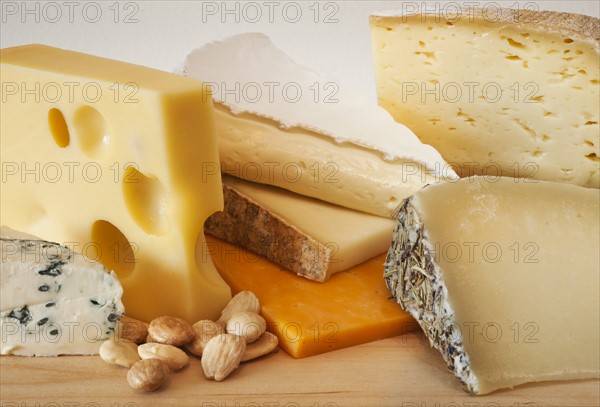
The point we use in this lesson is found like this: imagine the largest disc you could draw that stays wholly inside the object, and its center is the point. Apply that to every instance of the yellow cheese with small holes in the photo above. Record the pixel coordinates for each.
(120, 163)
(496, 91)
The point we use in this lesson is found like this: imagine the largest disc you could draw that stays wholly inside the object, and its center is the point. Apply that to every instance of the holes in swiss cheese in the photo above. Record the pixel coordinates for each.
(146, 201)
(58, 128)
(112, 248)
(92, 130)
(515, 44)
(592, 157)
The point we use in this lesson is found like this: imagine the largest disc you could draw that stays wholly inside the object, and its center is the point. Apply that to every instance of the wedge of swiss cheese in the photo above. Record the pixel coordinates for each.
(503, 275)
(119, 162)
(496, 91)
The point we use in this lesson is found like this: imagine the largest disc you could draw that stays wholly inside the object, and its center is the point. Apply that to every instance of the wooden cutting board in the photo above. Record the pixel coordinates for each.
(401, 371)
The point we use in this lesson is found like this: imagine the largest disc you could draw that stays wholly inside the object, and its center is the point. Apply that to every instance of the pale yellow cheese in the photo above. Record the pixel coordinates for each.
(316, 166)
(496, 91)
(120, 163)
(353, 237)
(503, 276)
(338, 147)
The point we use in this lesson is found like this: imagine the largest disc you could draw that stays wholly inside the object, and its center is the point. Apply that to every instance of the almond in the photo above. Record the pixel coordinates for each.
(121, 352)
(248, 325)
(174, 357)
(147, 374)
(170, 331)
(244, 301)
(222, 355)
(132, 329)
(204, 331)
(266, 344)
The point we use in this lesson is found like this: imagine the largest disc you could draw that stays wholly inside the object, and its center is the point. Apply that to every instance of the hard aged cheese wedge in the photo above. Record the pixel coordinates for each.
(504, 278)
(280, 123)
(120, 161)
(310, 237)
(53, 301)
(496, 91)
(308, 317)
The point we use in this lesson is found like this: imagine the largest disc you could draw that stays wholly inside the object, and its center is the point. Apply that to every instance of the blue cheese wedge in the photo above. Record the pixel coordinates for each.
(54, 301)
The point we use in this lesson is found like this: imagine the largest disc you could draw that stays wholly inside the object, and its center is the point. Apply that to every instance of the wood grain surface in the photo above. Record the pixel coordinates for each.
(402, 371)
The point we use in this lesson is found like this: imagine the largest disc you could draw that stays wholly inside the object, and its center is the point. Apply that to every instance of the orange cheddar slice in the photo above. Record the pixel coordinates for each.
(309, 317)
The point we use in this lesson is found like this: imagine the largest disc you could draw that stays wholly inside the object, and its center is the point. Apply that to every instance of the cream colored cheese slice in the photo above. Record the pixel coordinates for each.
(353, 237)
(281, 123)
(503, 275)
(496, 91)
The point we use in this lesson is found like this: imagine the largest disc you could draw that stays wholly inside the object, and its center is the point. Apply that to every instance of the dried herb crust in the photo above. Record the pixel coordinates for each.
(246, 223)
(415, 280)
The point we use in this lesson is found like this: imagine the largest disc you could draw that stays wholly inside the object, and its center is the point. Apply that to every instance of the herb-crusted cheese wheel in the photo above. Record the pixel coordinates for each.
(503, 275)
(496, 91)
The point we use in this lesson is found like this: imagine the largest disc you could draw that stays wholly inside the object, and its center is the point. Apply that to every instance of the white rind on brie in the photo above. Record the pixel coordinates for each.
(273, 111)
(252, 58)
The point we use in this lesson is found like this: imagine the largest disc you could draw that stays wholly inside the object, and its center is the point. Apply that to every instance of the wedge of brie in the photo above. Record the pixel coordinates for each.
(281, 123)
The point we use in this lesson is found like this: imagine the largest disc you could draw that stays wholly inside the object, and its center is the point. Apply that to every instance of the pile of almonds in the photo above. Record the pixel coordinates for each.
(152, 351)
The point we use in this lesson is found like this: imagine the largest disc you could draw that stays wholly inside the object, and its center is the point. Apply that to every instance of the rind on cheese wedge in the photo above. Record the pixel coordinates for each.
(54, 301)
(503, 275)
(312, 238)
(121, 161)
(496, 91)
(281, 123)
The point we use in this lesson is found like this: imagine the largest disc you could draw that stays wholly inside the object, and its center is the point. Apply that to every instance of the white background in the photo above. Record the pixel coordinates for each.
(331, 37)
